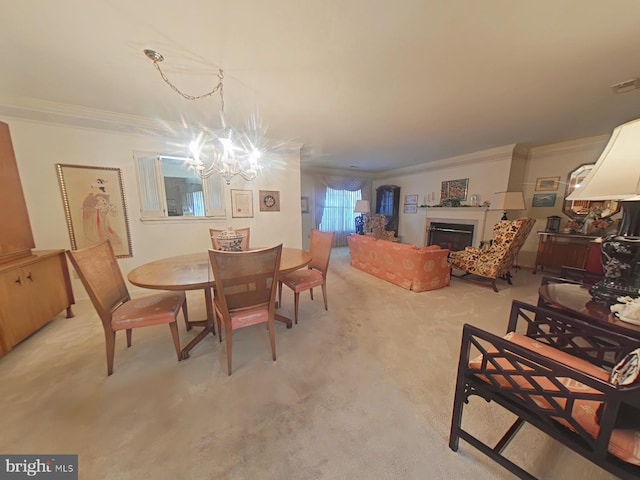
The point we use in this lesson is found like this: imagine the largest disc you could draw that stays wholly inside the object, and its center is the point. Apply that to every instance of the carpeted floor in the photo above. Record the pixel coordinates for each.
(363, 391)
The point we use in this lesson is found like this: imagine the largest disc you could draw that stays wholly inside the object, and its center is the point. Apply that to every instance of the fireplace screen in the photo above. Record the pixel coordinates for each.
(454, 236)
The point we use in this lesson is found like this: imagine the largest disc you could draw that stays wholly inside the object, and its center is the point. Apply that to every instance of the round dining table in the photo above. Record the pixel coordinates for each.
(193, 272)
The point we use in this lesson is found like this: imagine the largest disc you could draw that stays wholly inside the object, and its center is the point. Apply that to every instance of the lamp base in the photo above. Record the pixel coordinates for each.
(360, 225)
(621, 259)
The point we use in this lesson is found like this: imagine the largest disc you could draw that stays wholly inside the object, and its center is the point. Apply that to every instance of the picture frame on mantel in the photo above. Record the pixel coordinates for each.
(454, 189)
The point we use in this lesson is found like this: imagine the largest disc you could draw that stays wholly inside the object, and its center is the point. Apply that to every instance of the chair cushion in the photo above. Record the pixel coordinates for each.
(301, 280)
(149, 310)
(623, 443)
(251, 316)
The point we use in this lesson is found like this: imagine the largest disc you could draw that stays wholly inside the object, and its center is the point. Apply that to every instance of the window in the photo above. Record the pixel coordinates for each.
(169, 187)
(338, 215)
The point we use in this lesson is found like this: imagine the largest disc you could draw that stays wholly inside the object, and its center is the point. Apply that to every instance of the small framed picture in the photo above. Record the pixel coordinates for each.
(547, 184)
(304, 203)
(543, 200)
(241, 203)
(411, 199)
(410, 208)
(269, 201)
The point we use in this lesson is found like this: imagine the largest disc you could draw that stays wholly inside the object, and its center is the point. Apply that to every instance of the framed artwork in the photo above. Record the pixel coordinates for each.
(543, 200)
(304, 203)
(409, 208)
(454, 189)
(241, 203)
(547, 184)
(269, 201)
(411, 199)
(95, 207)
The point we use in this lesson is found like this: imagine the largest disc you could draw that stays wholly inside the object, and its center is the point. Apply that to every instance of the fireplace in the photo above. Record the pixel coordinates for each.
(475, 217)
(453, 236)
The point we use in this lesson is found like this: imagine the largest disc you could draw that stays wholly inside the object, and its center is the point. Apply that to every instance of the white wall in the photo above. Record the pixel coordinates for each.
(487, 171)
(555, 160)
(39, 146)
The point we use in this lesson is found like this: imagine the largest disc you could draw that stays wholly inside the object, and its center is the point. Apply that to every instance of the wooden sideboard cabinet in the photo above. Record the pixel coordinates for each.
(556, 250)
(33, 291)
(34, 286)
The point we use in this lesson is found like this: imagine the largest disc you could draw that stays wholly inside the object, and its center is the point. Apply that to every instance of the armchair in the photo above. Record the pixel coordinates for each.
(496, 260)
(561, 375)
(374, 226)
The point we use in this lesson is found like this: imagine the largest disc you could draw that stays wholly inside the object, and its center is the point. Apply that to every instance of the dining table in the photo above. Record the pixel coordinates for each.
(193, 272)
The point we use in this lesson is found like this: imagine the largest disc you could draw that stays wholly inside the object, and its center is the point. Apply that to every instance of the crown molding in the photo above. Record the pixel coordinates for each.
(489, 155)
(571, 146)
(90, 118)
(83, 117)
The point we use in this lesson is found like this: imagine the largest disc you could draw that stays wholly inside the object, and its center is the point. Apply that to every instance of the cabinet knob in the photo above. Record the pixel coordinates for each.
(29, 277)
(18, 281)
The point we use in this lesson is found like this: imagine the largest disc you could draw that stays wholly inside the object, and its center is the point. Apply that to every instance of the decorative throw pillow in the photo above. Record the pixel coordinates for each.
(627, 371)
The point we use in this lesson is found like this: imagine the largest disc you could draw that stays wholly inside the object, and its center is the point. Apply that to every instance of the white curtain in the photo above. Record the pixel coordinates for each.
(335, 200)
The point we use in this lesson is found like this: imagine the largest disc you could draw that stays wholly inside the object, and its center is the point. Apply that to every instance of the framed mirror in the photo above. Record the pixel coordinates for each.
(579, 209)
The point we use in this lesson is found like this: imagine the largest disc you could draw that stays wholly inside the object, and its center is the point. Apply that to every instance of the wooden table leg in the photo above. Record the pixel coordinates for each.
(209, 325)
(283, 319)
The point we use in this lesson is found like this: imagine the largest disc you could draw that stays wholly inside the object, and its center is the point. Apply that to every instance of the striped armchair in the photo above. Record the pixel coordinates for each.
(496, 260)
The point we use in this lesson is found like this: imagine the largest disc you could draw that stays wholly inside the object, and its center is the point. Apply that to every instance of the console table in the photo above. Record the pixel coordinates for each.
(556, 250)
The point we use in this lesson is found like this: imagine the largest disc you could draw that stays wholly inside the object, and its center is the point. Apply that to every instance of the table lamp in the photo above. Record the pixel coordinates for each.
(507, 201)
(616, 176)
(362, 206)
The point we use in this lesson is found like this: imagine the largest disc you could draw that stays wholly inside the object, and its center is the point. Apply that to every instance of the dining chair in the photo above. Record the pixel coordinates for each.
(245, 287)
(244, 245)
(313, 276)
(100, 274)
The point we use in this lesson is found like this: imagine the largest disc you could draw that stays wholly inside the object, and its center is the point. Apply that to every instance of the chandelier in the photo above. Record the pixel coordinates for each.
(229, 153)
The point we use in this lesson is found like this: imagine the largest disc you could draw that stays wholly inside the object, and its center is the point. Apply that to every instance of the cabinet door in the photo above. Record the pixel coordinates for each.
(15, 318)
(31, 295)
(47, 289)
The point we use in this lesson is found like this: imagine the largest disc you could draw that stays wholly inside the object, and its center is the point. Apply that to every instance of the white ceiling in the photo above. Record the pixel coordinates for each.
(368, 84)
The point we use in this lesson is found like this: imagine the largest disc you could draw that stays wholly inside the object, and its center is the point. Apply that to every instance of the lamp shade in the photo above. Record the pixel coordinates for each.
(616, 174)
(362, 206)
(508, 201)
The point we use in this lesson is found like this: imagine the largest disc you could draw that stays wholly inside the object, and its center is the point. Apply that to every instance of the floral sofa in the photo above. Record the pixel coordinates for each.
(416, 269)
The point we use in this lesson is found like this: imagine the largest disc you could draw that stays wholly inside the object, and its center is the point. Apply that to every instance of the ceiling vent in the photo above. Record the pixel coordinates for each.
(627, 86)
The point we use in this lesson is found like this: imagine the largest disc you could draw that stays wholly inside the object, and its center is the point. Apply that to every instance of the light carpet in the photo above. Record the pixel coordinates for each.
(362, 391)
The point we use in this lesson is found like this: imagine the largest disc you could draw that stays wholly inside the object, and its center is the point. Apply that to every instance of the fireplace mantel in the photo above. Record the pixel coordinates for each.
(476, 216)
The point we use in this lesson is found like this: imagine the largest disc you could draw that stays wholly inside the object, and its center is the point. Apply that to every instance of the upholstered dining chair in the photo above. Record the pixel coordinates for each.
(245, 286)
(496, 260)
(313, 276)
(245, 241)
(100, 274)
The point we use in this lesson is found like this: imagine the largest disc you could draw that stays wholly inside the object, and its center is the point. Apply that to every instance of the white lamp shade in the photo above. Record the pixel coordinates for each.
(508, 201)
(362, 206)
(616, 174)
